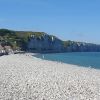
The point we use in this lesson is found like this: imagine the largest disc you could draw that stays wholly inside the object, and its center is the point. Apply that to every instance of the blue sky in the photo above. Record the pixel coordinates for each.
(77, 20)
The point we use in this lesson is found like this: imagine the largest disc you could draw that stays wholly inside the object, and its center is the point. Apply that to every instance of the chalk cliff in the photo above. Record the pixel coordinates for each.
(42, 42)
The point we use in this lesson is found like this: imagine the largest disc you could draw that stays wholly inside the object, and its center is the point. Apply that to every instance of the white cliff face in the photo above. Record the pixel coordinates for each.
(44, 43)
(47, 43)
(82, 47)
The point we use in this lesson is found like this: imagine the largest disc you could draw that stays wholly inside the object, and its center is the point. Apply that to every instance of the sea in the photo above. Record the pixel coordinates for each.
(85, 59)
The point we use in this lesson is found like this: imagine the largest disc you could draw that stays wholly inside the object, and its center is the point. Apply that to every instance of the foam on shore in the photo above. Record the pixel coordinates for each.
(24, 77)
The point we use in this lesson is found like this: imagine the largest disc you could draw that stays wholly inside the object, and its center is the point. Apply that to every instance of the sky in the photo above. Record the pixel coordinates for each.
(77, 20)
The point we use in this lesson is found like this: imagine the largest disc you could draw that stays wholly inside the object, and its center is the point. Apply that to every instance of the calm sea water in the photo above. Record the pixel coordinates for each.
(86, 59)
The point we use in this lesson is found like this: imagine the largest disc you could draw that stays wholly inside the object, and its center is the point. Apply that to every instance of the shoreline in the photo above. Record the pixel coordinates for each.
(23, 76)
(36, 55)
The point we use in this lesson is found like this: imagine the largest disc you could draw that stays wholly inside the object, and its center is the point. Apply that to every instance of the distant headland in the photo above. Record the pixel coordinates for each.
(40, 42)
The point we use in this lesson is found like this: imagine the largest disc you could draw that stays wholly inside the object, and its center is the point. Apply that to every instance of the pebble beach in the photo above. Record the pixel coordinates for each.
(25, 77)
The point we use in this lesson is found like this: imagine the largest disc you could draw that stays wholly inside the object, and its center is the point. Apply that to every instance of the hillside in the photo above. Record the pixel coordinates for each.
(42, 42)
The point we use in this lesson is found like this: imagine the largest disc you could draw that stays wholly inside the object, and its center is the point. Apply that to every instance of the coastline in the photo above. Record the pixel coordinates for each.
(23, 76)
(73, 59)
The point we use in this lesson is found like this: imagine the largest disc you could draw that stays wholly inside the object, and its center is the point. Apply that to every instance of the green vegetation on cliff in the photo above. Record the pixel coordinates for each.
(17, 39)
(40, 41)
(8, 37)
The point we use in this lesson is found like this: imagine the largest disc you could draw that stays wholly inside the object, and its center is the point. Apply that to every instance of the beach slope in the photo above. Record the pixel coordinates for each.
(24, 77)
